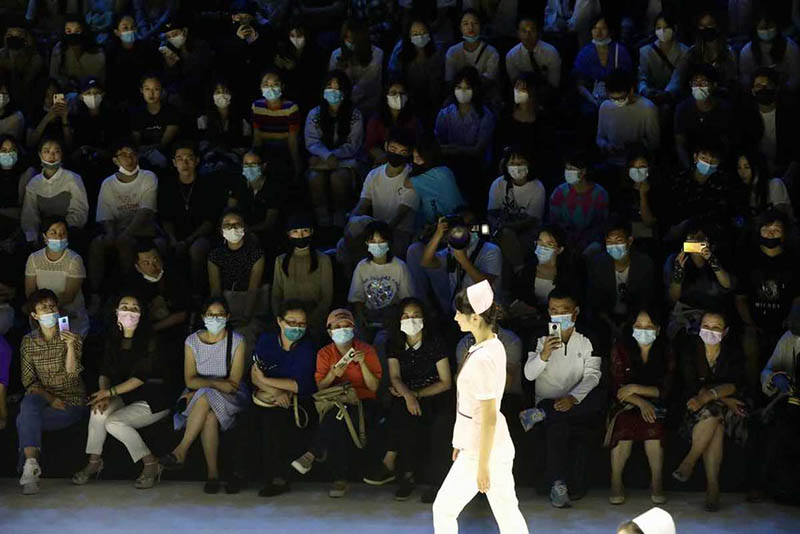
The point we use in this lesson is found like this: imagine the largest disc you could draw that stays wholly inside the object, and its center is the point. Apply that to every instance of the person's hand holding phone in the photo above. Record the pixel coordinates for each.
(69, 338)
(550, 344)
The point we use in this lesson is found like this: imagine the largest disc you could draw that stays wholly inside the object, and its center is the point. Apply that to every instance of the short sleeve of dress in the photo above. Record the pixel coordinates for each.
(76, 268)
(481, 376)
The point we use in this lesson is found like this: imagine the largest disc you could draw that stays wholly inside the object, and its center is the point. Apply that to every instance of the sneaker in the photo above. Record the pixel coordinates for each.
(338, 490)
(379, 476)
(304, 464)
(530, 417)
(30, 477)
(559, 495)
(405, 489)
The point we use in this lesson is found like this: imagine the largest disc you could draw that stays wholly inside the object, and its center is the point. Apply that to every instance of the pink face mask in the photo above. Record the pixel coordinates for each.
(128, 319)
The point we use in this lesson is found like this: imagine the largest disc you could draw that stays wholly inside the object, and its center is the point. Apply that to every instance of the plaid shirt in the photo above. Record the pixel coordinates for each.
(43, 364)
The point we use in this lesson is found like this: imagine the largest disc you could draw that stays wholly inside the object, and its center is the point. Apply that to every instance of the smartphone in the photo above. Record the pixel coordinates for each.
(59, 98)
(693, 247)
(63, 324)
(554, 330)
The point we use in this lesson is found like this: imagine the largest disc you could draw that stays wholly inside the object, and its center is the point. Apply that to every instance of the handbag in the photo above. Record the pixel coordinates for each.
(263, 399)
(339, 397)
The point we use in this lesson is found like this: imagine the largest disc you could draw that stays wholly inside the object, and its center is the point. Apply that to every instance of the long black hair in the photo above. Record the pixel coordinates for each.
(473, 78)
(408, 51)
(758, 169)
(288, 256)
(143, 333)
(405, 114)
(778, 48)
(397, 339)
(343, 118)
(362, 47)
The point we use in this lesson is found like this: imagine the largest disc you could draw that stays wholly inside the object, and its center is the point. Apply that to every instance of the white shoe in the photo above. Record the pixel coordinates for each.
(30, 477)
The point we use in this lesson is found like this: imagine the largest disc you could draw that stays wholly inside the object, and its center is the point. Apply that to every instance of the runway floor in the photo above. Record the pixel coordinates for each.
(178, 507)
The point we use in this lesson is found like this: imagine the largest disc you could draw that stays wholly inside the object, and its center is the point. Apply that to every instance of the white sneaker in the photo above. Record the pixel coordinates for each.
(30, 477)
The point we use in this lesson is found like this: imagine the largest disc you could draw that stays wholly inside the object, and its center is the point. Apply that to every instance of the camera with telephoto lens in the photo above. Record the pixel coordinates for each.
(458, 234)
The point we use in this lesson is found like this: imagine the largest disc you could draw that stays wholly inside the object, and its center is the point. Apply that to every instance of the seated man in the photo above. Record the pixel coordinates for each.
(567, 373)
(126, 210)
(534, 55)
(385, 196)
(55, 396)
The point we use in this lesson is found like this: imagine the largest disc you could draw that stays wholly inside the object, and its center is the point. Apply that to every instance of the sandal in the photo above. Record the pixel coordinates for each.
(147, 482)
(83, 476)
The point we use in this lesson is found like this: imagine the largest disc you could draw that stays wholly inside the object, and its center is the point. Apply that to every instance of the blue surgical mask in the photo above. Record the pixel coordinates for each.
(214, 325)
(565, 321)
(617, 251)
(638, 174)
(349, 45)
(293, 333)
(127, 37)
(602, 42)
(474, 237)
(252, 173)
(51, 165)
(471, 39)
(378, 250)
(571, 176)
(271, 93)
(705, 168)
(57, 245)
(8, 159)
(644, 336)
(420, 41)
(342, 336)
(48, 320)
(544, 254)
(767, 35)
(332, 96)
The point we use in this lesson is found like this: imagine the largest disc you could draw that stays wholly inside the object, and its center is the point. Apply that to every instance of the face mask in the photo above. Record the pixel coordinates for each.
(298, 42)
(765, 97)
(127, 37)
(708, 34)
(222, 100)
(518, 172)
(396, 160)
(396, 102)
(72, 39)
(51, 165)
(48, 320)
(619, 102)
(638, 174)
(125, 172)
(128, 319)
(15, 42)
(644, 336)
(177, 41)
(767, 35)
(471, 39)
(664, 34)
(543, 253)
(57, 245)
(233, 235)
(705, 168)
(770, 242)
(565, 321)
(349, 45)
(8, 159)
(411, 327)
(252, 173)
(332, 96)
(293, 333)
(4, 100)
(571, 176)
(701, 93)
(214, 325)
(710, 337)
(92, 101)
(378, 250)
(520, 97)
(420, 41)
(617, 251)
(474, 237)
(602, 42)
(271, 93)
(152, 278)
(341, 336)
(300, 242)
(464, 96)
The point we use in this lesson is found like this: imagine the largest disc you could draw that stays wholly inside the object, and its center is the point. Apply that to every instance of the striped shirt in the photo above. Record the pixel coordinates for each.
(276, 124)
(44, 367)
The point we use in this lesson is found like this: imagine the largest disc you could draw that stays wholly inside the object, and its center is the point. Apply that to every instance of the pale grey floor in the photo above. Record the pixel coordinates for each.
(114, 507)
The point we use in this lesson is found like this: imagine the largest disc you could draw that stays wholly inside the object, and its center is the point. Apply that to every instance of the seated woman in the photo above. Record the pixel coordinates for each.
(55, 396)
(334, 132)
(12, 122)
(642, 373)
(464, 130)
(757, 190)
(476, 53)
(303, 274)
(76, 57)
(300, 65)
(657, 61)
(516, 206)
(14, 176)
(131, 394)
(214, 363)
(396, 111)
(713, 378)
(526, 120)
(51, 120)
(363, 373)
(421, 385)
(276, 125)
(768, 47)
(284, 368)
(223, 129)
(362, 62)
(61, 270)
(379, 282)
(638, 195)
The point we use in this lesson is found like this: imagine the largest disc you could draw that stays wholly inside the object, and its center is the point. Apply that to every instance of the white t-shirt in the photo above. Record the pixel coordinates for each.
(118, 201)
(387, 194)
(482, 377)
(528, 199)
(62, 194)
(53, 275)
(380, 286)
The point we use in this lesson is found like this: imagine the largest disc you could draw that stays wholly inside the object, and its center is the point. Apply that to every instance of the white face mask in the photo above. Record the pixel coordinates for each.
(701, 93)
(411, 327)
(177, 41)
(298, 42)
(125, 172)
(396, 102)
(222, 100)
(521, 97)
(4, 100)
(464, 96)
(571, 176)
(638, 174)
(152, 279)
(233, 235)
(518, 172)
(92, 101)
(664, 34)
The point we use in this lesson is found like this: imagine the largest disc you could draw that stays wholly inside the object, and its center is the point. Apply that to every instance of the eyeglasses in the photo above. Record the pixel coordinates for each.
(232, 226)
(215, 316)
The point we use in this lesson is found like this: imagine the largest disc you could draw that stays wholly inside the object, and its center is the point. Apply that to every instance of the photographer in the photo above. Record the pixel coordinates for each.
(468, 258)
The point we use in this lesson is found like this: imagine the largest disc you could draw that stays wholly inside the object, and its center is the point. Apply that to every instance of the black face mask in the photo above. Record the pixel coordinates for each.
(765, 97)
(396, 160)
(709, 34)
(300, 242)
(770, 242)
(15, 42)
(73, 39)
